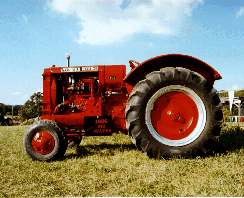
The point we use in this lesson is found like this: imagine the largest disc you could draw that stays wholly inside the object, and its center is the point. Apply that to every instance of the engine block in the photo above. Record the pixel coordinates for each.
(80, 98)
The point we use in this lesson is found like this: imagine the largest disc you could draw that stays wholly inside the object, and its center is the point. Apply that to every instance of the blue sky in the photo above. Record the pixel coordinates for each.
(36, 34)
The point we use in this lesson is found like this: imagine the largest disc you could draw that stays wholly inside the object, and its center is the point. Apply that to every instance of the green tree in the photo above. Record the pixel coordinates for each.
(32, 108)
(239, 93)
(226, 110)
(2, 108)
(8, 110)
(16, 109)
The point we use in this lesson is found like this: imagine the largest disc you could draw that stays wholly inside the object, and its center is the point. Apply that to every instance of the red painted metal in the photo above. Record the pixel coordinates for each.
(174, 116)
(170, 60)
(71, 94)
(43, 143)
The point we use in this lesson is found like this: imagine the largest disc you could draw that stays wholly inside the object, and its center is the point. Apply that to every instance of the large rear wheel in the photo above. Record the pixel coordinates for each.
(173, 112)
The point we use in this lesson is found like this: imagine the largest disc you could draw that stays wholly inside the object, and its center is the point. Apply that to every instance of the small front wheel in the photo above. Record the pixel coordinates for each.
(45, 141)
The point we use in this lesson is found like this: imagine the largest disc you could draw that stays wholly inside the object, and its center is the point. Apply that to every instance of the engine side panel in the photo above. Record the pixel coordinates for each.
(73, 96)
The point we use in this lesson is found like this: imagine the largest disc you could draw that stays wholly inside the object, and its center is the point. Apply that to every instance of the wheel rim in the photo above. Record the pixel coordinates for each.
(43, 143)
(175, 115)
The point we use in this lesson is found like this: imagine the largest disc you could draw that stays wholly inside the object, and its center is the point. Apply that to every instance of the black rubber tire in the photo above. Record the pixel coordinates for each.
(57, 134)
(136, 105)
(74, 141)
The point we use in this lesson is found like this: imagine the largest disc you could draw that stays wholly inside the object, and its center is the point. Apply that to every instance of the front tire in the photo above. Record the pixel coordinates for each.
(173, 112)
(45, 141)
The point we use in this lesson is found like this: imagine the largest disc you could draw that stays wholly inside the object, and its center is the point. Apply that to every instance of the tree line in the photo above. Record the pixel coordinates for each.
(237, 93)
(31, 109)
(7, 109)
(226, 108)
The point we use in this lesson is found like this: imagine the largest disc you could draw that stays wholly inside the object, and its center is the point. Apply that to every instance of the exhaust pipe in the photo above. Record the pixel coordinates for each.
(68, 57)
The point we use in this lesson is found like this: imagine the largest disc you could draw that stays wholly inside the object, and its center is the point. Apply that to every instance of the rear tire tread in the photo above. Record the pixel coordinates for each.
(138, 96)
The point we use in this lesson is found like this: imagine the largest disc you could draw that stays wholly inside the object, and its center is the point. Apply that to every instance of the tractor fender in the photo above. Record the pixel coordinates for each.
(139, 72)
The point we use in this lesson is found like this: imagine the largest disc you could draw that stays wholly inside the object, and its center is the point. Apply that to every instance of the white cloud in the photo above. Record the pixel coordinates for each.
(235, 87)
(16, 93)
(240, 12)
(105, 21)
(25, 18)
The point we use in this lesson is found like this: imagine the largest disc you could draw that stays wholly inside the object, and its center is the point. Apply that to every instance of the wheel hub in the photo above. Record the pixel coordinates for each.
(175, 115)
(43, 142)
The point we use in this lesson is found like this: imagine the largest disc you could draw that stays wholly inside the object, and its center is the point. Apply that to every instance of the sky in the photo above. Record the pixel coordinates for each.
(36, 34)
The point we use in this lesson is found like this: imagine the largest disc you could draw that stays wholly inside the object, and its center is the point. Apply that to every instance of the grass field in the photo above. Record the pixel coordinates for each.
(112, 166)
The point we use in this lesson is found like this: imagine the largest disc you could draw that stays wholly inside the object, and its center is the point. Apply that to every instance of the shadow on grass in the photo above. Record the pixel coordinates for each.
(104, 149)
(231, 139)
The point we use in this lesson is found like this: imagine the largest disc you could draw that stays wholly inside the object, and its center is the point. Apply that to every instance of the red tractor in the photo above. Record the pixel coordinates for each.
(167, 105)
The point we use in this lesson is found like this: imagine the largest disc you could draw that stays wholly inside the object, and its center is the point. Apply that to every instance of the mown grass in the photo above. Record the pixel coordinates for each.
(112, 166)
